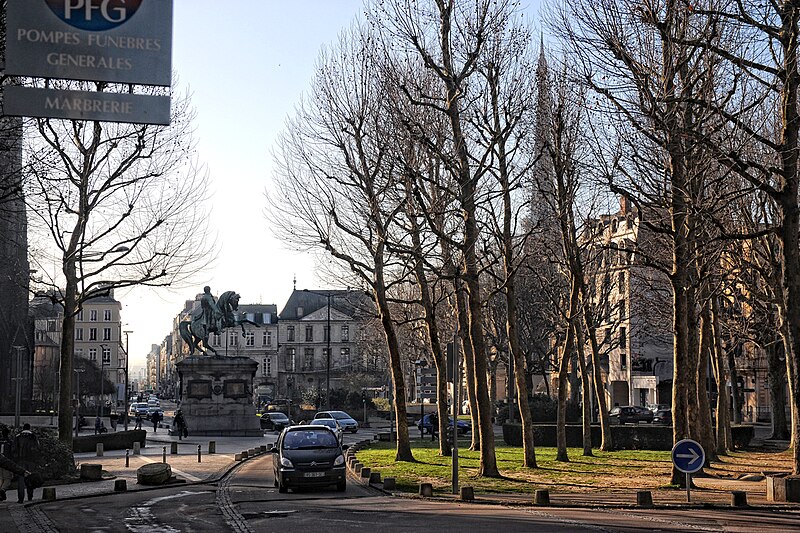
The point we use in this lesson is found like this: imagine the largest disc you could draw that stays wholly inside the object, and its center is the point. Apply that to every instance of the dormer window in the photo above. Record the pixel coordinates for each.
(299, 312)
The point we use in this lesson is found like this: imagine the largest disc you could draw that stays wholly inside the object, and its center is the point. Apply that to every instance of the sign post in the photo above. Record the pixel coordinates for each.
(688, 457)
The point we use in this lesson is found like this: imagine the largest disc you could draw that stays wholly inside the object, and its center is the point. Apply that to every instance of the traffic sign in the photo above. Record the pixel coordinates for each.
(688, 456)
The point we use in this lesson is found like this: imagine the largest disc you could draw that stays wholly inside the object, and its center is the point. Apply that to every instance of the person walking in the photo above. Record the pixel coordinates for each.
(155, 418)
(180, 424)
(26, 448)
(138, 421)
(98, 424)
(112, 418)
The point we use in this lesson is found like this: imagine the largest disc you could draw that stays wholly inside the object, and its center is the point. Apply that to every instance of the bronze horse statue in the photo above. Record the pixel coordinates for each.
(197, 330)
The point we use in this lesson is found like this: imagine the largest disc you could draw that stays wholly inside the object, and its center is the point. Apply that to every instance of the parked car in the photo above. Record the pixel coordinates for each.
(631, 414)
(347, 422)
(308, 455)
(332, 423)
(275, 420)
(138, 408)
(425, 425)
(663, 416)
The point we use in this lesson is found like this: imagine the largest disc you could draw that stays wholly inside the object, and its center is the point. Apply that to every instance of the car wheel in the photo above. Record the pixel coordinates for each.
(283, 489)
(342, 486)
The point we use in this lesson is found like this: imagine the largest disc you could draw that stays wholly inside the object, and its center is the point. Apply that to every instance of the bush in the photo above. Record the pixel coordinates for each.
(120, 440)
(55, 459)
(625, 437)
(543, 409)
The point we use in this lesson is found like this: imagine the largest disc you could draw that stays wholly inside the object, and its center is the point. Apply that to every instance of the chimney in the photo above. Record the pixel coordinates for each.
(624, 204)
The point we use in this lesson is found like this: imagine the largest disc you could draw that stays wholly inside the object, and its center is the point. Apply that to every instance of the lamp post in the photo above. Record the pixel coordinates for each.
(421, 364)
(78, 372)
(328, 296)
(125, 412)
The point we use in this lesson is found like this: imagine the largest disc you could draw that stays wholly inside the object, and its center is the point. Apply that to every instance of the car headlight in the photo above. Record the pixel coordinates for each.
(285, 462)
(339, 461)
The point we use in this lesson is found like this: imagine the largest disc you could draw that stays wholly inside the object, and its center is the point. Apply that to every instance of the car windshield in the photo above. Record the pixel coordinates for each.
(278, 416)
(340, 415)
(326, 422)
(309, 439)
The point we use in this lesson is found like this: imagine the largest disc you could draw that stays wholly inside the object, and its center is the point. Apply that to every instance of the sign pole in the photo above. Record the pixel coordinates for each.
(688, 457)
(688, 487)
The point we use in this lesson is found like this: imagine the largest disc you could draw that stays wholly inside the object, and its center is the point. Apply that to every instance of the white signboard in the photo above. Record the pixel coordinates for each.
(86, 105)
(117, 41)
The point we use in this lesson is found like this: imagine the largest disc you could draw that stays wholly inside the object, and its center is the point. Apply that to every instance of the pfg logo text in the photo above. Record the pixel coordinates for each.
(94, 15)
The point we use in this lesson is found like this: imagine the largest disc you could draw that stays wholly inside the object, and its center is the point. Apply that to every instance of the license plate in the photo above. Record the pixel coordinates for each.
(314, 474)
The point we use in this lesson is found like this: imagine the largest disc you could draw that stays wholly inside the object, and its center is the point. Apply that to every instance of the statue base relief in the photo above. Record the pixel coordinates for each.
(216, 395)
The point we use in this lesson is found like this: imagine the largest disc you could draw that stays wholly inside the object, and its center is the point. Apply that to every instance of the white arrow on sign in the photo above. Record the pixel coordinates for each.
(693, 455)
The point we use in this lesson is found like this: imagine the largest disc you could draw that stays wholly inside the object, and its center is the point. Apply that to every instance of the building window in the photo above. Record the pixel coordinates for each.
(266, 339)
(106, 334)
(233, 340)
(78, 334)
(621, 282)
(325, 333)
(80, 315)
(268, 366)
(216, 341)
(299, 312)
(623, 361)
(623, 339)
(291, 359)
(107, 315)
(250, 338)
(92, 354)
(93, 315)
(309, 333)
(92, 334)
(106, 356)
(623, 314)
(78, 352)
(345, 333)
(345, 356)
(308, 359)
(289, 333)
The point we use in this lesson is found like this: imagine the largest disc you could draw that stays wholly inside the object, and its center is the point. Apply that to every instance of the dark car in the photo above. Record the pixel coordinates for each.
(308, 456)
(631, 414)
(663, 416)
(347, 422)
(275, 420)
(426, 425)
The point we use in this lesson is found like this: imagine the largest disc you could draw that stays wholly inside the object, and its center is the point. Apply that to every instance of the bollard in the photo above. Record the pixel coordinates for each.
(164, 454)
(198, 454)
(357, 468)
(262, 448)
(375, 477)
(49, 494)
(212, 447)
(173, 448)
(245, 454)
(127, 458)
(238, 457)
(542, 497)
(137, 448)
(467, 493)
(389, 483)
(99, 449)
(365, 472)
(738, 498)
(426, 490)
(120, 485)
(644, 498)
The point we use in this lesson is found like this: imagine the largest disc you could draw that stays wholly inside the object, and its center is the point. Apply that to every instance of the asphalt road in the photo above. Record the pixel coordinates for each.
(246, 501)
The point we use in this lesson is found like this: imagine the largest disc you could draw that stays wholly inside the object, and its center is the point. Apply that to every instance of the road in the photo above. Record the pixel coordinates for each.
(246, 501)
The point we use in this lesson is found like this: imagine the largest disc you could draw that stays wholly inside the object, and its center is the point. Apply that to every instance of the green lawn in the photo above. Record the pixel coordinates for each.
(606, 470)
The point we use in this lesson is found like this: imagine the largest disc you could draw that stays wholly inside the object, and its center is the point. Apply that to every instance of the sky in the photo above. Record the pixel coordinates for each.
(246, 64)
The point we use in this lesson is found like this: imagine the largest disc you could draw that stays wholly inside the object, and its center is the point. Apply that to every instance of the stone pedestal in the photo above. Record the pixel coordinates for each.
(217, 396)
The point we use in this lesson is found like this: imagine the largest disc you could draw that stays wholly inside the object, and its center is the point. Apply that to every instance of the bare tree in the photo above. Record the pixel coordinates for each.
(123, 205)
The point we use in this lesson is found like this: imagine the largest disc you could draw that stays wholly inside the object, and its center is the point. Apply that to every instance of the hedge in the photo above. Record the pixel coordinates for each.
(625, 436)
(120, 440)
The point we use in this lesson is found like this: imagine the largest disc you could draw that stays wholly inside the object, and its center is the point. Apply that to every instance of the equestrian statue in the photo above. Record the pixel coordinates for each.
(213, 316)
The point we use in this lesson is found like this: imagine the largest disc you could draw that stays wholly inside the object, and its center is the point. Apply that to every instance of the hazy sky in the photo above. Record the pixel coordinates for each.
(246, 63)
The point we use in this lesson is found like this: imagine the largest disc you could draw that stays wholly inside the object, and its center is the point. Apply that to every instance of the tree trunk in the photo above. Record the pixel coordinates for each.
(777, 391)
(586, 391)
(723, 428)
(65, 411)
(706, 433)
(606, 443)
(469, 364)
(736, 397)
(528, 445)
(563, 368)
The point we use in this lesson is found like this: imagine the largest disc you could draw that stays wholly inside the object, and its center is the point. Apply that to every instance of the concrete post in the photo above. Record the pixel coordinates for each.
(542, 497)
(99, 449)
(212, 447)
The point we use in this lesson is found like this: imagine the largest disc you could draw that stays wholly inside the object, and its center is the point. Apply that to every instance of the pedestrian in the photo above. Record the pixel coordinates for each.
(10, 466)
(98, 423)
(26, 449)
(138, 421)
(180, 424)
(112, 418)
(155, 418)
(434, 419)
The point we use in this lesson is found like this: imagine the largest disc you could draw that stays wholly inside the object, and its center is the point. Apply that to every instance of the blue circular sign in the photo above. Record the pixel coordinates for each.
(94, 15)
(688, 456)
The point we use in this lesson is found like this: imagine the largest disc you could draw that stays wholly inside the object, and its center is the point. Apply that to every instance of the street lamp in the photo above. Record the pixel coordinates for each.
(125, 412)
(78, 372)
(327, 295)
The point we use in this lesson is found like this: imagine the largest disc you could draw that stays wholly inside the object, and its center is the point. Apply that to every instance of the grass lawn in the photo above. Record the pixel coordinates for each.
(620, 470)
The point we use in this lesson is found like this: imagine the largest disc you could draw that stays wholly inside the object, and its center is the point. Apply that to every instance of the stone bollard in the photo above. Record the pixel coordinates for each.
(738, 498)
(91, 472)
(238, 457)
(262, 448)
(49, 494)
(365, 472)
(199, 460)
(137, 448)
(644, 498)
(120, 485)
(389, 484)
(375, 477)
(357, 468)
(99, 449)
(467, 493)
(542, 497)
(127, 458)
(425, 490)
(245, 454)
(164, 454)
(173, 448)
(212, 447)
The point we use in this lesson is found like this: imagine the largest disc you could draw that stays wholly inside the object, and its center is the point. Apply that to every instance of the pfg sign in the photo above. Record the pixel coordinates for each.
(94, 15)
(117, 41)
